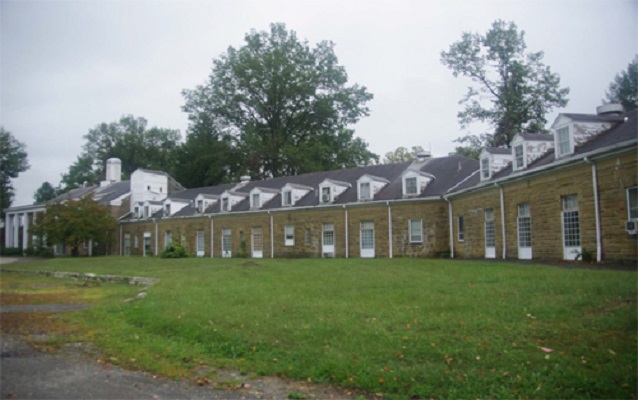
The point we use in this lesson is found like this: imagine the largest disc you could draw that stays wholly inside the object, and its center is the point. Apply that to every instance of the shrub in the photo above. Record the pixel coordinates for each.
(11, 251)
(35, 251)
(175, 250)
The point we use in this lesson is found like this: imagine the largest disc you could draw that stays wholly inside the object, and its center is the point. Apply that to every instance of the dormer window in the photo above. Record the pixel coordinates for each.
(485, 168)
(287, 198)
(255, 201)
(564, 146)
(326, 195)
(225, 204)
(136, 212)
(411, 186)
(167, 209)
(519, 157)
(200, 206)
(364, 191)
(146, 212)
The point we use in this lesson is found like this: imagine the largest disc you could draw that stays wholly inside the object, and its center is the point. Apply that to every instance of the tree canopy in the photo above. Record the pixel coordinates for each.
(401, 154)
(74, 222)
(624, 88)
(13, 161)
(286, 106)
(513, 89)
(128, 139)
(44, 193)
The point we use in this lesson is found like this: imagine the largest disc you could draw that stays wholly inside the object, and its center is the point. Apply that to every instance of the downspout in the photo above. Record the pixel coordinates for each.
(346, 218)
(451, 218)
(212, 237)
(594, 177)
(389, 229)
(155, 220)
(121, 239)
(503, 220)
(272, 238)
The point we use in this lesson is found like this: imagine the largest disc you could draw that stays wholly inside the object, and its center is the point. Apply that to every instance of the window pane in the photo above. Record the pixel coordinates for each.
(365, 191)
(258, 239)
(563, 141)
(256, 200)
(518, 151)
(461, 228)
(632, 194)
(367, 235)
(289, 233)
(328, 234)
(485, 167)
(416, 230)
(200, 241)
(570, 203)
(308, 237)
(410, 185)
(571, 226)
(226, 244)
(325, 195)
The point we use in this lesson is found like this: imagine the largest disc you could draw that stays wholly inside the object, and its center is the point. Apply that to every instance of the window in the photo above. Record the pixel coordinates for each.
(167, 239)
(308, 237)
(489, 228)
(410, 185)
(183, 239)
(524, 226)
(146, 212)
(136, 242)
(256, 203)
(127, 244)
(326, 195)
(518, 156)
(287, 198)
(289, 233)
(226, 243)
(416, 230)
(364, 191)
(147, 243)
(571, 221)
(328, 234)
(167, 209)
(200, 206)
(200, 243)
(225, 204)
(136, 212)
(460, 228)
(148, 188)
(632, 202)
(485, 168)
(563, 141)
(367, 235)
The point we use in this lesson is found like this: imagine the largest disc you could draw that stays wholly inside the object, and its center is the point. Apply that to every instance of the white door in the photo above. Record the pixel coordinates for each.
(524, 232)
(226, 245)
(367, 240)
(257, 243)
(328, 240)
(490, 240)
(200, 243)
(571, 227)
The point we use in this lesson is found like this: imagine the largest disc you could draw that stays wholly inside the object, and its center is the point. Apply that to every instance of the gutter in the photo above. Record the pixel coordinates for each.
(503, 219)
(389, 229)
(212, 237)
(594, 177)
(155, 221)
(272, 236)
(451, 218)
(346, 218)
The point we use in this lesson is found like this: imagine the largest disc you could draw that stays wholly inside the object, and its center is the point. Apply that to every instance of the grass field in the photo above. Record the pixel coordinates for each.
(402, 327)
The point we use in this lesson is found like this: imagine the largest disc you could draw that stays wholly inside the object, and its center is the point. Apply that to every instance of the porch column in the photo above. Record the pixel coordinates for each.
(16, 230)
(7, 230)
(25, 232)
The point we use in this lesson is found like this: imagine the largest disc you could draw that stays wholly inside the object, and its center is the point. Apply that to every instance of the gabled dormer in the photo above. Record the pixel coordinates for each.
(330, 189)
(203, 201)
(229, 198)
(146, 209)
(413, 182)
(492, 160)
(292, 192)
(369, 185)
(260, 196)
(572, 130)
(527, 147)
(173, 205)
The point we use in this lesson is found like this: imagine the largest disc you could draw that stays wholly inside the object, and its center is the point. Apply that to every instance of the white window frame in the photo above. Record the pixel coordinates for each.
(416, 236)
(366, 239)
(289, 235)
(519, 159)
(308, 237)
(570, 221)
(136, 242)
(255, 200)
(524, 230)
(200, 206)
(634, 215)
(225, 204)
(328, 239)
(167, 210)
(168, 238)
(460, 228)
(490, 234)
(286, 198)
(200, 240)
(367, 193)
(408, 186)
(147, 248)
(147, 211)
(127, 244)
(226, 242)
(326, 197)
(485, 168)
(563, 139)
(257, 242)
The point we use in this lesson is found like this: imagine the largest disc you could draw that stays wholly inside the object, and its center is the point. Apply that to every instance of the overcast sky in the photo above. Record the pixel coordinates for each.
(67, 66)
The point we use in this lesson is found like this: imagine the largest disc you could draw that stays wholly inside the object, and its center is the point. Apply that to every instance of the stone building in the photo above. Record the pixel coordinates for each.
(560, 196)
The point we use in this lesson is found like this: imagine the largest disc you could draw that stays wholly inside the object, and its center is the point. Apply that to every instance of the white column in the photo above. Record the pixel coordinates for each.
(16, 230)
(25, 232)
(7, 230)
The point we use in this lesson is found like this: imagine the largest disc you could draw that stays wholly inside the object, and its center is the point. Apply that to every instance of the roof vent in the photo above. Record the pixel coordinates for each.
(609, 109)
(423, 155)
(244, 178)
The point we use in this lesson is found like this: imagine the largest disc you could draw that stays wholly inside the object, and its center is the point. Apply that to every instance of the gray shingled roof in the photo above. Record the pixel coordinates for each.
(498, 150)
(545, 137)
(105, 195)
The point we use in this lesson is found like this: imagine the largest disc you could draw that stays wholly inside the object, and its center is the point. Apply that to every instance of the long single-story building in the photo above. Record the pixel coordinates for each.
(561, 196)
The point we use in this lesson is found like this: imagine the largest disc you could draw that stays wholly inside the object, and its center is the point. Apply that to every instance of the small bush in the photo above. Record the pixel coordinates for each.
(34, 251)
(11, 251)
(175, 250)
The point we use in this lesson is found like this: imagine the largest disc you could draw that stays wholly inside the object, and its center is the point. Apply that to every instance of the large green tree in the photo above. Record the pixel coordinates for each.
(72, 222)
(513, 89)
(286, 105)
(13, 161)
(44, 193)
(624, 88)
(401, 154)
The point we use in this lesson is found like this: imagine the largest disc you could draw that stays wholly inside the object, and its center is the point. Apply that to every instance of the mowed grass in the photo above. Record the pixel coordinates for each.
(401, 327)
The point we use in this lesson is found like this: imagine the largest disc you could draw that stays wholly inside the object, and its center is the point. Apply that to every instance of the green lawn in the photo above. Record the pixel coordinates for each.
(402, 327)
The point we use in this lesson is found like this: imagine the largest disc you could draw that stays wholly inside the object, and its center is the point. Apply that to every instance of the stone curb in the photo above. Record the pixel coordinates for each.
(131, 280)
